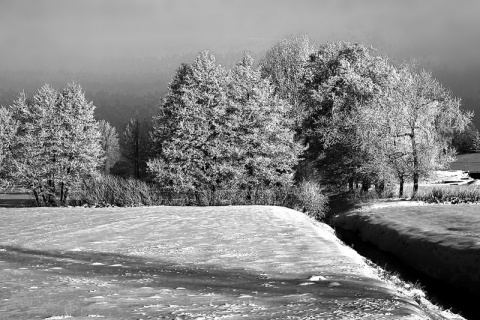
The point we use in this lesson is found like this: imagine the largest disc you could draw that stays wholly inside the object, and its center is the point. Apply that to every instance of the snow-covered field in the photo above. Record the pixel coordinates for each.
(185, 263)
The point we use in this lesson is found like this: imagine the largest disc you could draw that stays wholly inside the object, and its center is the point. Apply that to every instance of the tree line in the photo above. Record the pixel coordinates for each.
(337, 113)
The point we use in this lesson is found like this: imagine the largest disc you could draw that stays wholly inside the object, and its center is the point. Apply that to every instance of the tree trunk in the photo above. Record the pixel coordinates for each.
(380, 187)
(212, 195)
(400, 192)
(63, 194)
(248, 196)
(350, 184)
(49, 192)
(37, 199)
(197, 197)
(415, 165)
(62, 190)
(365, 185)
(66, 195)
(51, 196)
(415, 184)
(45, 202)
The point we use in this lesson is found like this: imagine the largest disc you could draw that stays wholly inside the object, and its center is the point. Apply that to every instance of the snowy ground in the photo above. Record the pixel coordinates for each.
(185, 263)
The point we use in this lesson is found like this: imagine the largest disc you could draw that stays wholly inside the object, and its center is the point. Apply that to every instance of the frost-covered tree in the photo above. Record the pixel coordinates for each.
(284, 64)
(430, 117)
(373, 122)
(110, 144)
(379, 131)
(219, 129)
(57, 142)
(261, 128)
(189, 131)
(341, 79)
(165, 122)
(8, 128)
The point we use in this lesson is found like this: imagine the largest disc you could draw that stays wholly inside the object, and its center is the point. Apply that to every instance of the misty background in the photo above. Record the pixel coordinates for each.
(124, 53)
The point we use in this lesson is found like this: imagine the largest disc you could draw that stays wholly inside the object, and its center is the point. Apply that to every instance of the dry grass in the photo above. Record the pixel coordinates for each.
(449, 194)
(108, 191)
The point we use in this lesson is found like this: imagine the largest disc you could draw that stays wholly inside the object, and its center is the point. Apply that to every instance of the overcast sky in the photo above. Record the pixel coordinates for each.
(69, 34)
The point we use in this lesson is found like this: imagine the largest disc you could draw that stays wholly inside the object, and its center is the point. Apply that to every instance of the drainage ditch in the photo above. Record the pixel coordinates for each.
(442, 294)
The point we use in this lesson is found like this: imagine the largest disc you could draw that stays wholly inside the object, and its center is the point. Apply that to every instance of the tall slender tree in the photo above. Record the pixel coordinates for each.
(110, 145)
(261, 126)
(8, 128)
(285, 65)
(132, 138)
(135, 149)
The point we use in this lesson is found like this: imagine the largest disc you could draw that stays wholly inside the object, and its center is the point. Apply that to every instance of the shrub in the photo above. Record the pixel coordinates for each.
(310, 199)
(107, 190)
(110, 190)
(449, 194)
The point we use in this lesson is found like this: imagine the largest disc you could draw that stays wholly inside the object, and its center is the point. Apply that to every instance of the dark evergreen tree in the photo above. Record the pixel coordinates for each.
(135, 150)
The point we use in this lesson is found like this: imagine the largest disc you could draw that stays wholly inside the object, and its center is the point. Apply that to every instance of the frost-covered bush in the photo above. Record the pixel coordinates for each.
(310, 199)
(108, 190)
